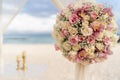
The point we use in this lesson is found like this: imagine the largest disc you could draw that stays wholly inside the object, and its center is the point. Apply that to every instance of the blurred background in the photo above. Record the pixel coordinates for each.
(34, 23)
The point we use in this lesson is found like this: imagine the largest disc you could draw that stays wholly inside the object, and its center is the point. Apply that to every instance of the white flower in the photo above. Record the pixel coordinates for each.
(86, 31)
(90, 51)
(115, 25)
(114, 39)
(57, 36)
(107, 33)
(76, 47)
(86, 17)
(100, 46)
(67, 46)
(73, 53)
(64, 24)
(100, 37)
(56, 27)
(67, 13)
(85, 23)
(73, 31)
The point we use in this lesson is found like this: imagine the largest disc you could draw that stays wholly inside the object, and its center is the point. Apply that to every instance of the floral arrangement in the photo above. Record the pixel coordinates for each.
(85, 34)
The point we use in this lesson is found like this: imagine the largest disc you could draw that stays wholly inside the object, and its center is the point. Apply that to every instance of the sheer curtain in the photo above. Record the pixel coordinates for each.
(8, 11)
(61, 4)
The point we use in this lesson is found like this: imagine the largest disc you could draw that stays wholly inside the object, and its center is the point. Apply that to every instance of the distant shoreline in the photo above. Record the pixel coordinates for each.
(30, 38)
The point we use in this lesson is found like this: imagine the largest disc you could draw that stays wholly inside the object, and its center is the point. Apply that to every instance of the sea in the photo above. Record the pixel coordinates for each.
(28, 38)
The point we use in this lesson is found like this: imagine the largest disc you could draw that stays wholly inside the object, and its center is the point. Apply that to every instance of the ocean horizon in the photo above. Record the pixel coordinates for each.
(28, 38)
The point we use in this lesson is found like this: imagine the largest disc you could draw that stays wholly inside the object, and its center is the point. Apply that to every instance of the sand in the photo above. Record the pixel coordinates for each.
(55, 66)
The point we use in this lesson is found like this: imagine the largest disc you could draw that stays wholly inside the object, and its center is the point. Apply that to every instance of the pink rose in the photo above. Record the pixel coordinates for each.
(110, 27)
(107, 40)
(74, 40)
(82, 54)
(97, 27)
(96, 33)
(101, 28)
(77, 11)
(103, 55)
(73, 18)
(108, 11)
(107, 50)
(64, 32)
(56, 47)
(94, 15)
(91, 39)
(81, 38)
(80, 12)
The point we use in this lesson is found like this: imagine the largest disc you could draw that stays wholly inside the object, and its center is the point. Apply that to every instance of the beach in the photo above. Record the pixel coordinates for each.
(56, 66)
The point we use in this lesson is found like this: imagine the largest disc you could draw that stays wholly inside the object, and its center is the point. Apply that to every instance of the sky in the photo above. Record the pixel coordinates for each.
(39, 16)
(36, 16)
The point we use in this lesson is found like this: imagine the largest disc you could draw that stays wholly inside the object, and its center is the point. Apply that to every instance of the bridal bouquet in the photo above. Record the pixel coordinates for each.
(85, 34)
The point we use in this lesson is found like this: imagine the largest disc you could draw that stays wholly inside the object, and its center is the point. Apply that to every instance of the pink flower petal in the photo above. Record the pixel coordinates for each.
(73, 18)
(56, 47)
(74, 40)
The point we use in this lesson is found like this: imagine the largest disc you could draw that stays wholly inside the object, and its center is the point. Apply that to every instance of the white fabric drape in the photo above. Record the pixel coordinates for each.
(58, 4)
(61, 4)
(8, 11)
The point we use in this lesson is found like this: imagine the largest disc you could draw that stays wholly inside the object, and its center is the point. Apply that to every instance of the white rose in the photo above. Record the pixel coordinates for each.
(86, 17)
(114, 39)
(115, 26)
(73, 53)
(100, 46)
(67, 13)
(57, 36)
(85, 24)
(64, 24)
(73, 31)
(100, 37)
(86, 31)
(76, 47)
(56, 27)
(67, 24)
(90, 49)
(107, 33)
(67, 46)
